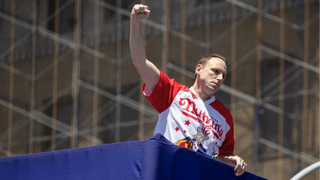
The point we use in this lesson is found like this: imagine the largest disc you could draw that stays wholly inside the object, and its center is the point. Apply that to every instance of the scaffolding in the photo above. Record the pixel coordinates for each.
(69, 59)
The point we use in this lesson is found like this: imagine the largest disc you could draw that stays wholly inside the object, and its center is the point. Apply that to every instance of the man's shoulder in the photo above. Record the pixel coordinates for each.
(221, 108)
(218, 103)
(177, 85)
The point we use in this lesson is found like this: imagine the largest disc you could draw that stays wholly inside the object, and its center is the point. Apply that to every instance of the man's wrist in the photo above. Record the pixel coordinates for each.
(135, 21)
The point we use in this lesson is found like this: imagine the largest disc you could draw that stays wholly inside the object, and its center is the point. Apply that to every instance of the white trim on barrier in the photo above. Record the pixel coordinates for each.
(306, 171)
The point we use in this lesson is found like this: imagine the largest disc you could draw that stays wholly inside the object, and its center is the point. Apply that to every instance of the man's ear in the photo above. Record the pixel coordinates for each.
(198, 69)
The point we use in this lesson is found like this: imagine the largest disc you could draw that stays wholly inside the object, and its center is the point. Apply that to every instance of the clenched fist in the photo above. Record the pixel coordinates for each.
(140, 12)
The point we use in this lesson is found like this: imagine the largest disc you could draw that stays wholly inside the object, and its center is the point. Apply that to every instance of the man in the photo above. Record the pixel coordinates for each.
(189, 117)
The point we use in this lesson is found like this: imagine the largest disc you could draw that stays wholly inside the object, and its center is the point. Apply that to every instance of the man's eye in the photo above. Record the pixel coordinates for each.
(216, 71)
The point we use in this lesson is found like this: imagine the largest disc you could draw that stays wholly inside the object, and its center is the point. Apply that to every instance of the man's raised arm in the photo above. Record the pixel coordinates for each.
(147, 70)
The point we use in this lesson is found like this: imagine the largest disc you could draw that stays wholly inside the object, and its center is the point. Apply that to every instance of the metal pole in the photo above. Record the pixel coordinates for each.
(55, 77)
(21, 123)
(281, 89)
(292, 60)
(11, 88)
(76, 74)
(27, 35)
(50, 35)
(33, 77)
(207, 25)
(165, 35)
(305, 129)
(122, 99)
(265, 14)
(119, 72)
(154, 24)
(258, 86)
(183, 42)
(307, 158)
(46, 120)
(95, 105)
(233, 53)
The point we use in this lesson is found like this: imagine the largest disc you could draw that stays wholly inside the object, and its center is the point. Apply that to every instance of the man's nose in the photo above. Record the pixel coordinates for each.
(220, 76)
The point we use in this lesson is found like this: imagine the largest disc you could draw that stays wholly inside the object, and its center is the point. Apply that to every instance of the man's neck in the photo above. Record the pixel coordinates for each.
(200, 93)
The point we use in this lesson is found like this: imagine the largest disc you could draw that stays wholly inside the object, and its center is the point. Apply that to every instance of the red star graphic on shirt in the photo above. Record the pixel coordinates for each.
(184, 131)
(177, 129)
(187, 123)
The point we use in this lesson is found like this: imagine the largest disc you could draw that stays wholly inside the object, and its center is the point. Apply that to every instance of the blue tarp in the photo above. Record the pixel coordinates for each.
(152, 159)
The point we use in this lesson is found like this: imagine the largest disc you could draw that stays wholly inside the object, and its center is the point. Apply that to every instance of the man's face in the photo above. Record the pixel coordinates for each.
(212, 75)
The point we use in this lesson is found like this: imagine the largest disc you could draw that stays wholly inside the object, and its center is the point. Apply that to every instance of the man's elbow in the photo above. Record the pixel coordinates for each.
(139, 64)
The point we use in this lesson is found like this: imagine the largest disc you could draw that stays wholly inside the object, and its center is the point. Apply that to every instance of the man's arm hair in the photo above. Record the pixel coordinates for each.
(147, 70)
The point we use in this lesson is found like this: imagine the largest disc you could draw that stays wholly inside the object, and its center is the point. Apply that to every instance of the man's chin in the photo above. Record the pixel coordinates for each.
(214, 90)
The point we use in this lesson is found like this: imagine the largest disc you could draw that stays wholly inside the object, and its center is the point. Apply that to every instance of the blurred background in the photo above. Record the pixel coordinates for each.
(67, 80)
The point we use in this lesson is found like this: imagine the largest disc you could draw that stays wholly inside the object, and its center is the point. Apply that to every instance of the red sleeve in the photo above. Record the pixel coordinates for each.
(163, 94)
(228, 143)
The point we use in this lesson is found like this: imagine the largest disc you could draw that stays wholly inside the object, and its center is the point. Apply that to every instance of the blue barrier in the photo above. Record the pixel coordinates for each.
(152, 159)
